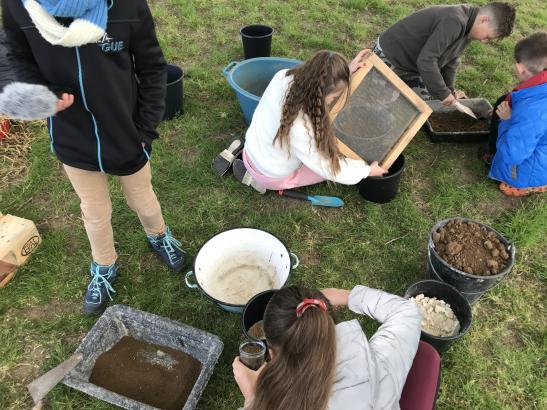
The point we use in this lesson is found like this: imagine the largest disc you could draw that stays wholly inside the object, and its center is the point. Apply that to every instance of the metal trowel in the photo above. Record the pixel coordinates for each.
(466, 110)
(41, 386)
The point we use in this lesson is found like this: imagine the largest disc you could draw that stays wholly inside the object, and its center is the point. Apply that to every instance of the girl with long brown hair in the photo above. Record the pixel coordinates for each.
(290, 141)
(316, 364)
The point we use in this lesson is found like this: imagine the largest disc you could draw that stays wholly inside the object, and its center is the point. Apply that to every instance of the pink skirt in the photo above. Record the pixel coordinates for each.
(301, 177)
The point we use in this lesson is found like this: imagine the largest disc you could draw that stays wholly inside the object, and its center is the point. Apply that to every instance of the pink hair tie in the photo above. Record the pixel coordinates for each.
(308, 303)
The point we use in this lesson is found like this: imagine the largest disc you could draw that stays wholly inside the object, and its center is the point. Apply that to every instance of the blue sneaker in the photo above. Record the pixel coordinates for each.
(169, 250)
(100, 289)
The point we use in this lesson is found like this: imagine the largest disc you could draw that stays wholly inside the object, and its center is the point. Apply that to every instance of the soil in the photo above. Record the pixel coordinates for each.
(470, 248)
(155, 375)
(249, 355)
(438, 319)
(256, 331)
(252, 349)
(455, 121)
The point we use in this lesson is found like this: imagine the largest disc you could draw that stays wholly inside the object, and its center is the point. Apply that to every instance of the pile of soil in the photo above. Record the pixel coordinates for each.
(471, 248)
(455, 121)
(156, 375)
(438, 319)
(256, 331)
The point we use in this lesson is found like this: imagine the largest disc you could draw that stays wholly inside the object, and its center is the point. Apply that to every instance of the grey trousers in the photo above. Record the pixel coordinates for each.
(413, 80)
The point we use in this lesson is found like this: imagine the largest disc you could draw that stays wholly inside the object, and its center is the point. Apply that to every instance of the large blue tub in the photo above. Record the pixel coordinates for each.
(249, 79)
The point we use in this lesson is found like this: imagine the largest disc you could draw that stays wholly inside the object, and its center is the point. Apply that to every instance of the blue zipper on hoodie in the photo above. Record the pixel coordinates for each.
(51, 134)
(81, 79)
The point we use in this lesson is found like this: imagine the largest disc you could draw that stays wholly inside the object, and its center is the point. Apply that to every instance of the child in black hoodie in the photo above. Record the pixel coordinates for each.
(105, 54)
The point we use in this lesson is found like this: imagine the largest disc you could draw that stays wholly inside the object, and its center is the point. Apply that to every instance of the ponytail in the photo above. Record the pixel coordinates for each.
(301, 373)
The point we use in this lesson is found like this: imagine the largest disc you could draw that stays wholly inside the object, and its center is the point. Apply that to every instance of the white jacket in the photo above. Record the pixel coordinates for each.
(275, 162)
(370, 374)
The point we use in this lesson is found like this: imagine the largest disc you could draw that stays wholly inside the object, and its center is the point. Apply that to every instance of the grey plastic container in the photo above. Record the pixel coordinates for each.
(118, 321)
(480, 107)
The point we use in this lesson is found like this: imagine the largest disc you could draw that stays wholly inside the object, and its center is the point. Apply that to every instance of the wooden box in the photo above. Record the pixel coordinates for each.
(18, 239)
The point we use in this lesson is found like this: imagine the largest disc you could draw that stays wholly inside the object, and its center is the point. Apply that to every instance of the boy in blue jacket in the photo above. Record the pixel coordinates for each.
(520, 161)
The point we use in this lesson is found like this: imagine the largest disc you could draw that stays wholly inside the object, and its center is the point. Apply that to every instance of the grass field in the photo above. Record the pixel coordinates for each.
(499, 364)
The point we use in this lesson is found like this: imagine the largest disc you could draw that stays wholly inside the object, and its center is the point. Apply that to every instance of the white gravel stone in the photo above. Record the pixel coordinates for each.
(438, 319)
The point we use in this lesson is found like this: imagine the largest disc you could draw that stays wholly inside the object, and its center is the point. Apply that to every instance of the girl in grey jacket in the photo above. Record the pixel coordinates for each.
(317, 364)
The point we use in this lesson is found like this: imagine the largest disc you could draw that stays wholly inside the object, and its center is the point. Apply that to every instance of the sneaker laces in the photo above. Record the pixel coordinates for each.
(101, 280)
(170, 244)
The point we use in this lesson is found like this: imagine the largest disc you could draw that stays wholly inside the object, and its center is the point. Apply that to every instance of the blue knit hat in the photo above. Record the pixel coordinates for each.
(89, 25)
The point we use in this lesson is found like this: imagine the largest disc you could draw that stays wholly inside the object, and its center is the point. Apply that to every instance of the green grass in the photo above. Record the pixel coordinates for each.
(499, 364)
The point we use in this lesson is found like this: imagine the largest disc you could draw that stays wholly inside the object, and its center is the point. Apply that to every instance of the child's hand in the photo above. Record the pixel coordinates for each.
(357, 62)
(376, 170)
(245, 379)
(449, 100)
(66, 101)
(336, 297)
(504, 111)
(459, 94)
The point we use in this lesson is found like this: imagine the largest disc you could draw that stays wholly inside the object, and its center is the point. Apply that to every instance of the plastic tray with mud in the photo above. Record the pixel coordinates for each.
(118, 321)
(480, 106)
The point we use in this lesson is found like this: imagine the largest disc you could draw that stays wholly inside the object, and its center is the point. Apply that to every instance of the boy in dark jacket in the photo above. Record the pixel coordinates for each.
(424, 48)
(105, 55)
(520, 161)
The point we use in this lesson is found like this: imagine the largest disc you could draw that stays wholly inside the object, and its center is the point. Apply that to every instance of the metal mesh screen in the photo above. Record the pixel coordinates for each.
(375, 117)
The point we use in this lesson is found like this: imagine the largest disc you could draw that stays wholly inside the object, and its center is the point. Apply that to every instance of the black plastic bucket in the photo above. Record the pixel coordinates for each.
(254, 310)
(257, 40)
(460, 306)
(432, 274)
(383, 189)
(463, 281)
(173, 97)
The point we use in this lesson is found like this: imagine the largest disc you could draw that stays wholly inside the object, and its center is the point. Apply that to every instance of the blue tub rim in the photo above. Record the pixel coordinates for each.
(229, 69)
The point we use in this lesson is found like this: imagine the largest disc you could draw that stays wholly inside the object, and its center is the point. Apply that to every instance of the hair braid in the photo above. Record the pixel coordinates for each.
(312, 82)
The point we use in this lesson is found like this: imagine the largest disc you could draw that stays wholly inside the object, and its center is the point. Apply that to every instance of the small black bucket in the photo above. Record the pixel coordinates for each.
(254, 310)
(173, 97)
(383, 189)
(257, 40)
(463, 281)
(460, 306)
(432, 274)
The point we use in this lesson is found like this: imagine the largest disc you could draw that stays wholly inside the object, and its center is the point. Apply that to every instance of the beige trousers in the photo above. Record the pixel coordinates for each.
(92, 188)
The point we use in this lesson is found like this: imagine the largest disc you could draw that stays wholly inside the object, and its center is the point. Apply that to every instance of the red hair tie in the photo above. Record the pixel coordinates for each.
(308, 303)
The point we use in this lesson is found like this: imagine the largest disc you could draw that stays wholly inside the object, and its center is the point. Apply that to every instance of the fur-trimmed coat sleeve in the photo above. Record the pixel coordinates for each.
(22, 97)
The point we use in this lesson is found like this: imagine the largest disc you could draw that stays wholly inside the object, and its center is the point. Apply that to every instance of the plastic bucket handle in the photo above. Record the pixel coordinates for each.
(295, 259)
(230, 67)
(187, 281)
